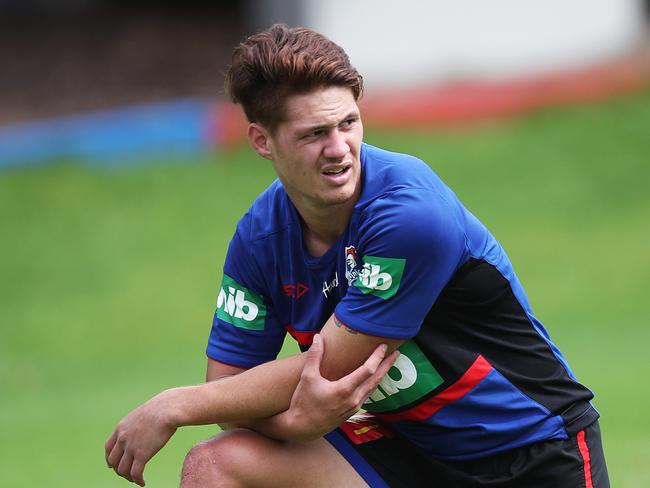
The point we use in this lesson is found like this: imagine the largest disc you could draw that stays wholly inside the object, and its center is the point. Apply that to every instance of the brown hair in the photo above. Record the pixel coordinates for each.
(269, 66)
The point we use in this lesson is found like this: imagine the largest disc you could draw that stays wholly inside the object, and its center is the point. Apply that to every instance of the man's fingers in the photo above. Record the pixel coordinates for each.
(115, 456)
(137, 471)
(124, 468)
(386, 364)
(369, 385)
(108, 447)
(367, 369)
(314, 357)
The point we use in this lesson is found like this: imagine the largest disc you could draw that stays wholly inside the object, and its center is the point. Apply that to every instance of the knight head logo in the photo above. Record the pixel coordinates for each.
(351, 264)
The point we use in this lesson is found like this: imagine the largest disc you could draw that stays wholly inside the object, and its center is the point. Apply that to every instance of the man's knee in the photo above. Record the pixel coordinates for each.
(227, 458)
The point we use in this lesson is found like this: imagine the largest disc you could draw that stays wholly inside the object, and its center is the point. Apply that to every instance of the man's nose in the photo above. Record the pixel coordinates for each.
(336, 147)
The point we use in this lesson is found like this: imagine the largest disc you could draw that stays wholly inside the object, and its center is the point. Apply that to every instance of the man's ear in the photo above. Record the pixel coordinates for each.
(259, 139)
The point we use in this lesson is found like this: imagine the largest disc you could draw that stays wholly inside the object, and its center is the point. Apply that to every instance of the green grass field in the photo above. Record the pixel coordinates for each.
(108, 278)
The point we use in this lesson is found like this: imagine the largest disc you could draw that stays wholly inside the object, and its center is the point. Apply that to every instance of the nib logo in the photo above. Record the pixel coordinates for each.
(411, 378)
(380, 276)
(295, 291)
(240, 306)
(374, 278)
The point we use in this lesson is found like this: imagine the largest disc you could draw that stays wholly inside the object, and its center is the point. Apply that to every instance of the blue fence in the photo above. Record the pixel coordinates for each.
(112, 136)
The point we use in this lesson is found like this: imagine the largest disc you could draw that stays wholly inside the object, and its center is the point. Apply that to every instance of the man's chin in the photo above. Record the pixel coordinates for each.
(338, 200)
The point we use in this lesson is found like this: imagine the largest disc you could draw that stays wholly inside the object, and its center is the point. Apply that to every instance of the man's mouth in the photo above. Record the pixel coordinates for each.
(336, 171)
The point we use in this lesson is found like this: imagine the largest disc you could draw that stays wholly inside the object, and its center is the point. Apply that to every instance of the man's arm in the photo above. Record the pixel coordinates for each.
(311, 415)
(318, 405)
(322, 400)
(251, 394)
(217, 370)
(257, 393)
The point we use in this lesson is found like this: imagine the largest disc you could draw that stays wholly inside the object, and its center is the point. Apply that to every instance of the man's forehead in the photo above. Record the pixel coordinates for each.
(322, 105)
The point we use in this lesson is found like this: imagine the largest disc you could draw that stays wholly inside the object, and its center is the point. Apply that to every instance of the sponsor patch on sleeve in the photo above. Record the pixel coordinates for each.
(380, 276)
(240, 306)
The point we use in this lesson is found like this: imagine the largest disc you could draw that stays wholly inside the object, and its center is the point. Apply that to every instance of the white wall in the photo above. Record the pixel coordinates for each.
(412, 42)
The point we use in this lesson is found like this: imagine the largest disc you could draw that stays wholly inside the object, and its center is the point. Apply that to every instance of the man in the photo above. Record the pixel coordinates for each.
(358, 252)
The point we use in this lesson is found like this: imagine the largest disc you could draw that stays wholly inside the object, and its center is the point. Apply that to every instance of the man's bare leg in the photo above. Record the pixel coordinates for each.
(242, 458)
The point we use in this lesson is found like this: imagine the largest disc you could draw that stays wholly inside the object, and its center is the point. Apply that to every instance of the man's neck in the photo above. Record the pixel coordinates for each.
(322, 228)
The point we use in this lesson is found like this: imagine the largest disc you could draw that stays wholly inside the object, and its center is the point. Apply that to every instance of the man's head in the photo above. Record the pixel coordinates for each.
(299, 93)
(272, 65)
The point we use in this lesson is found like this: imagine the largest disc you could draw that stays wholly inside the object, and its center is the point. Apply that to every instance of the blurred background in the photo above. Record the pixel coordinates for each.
(123, 173)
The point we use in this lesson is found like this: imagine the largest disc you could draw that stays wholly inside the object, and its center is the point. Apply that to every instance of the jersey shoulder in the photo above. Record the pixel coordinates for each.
(271, 213)
(387, 172)
(392, 178)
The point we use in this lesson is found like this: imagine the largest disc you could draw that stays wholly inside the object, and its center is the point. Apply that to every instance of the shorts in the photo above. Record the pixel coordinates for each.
(385, 460)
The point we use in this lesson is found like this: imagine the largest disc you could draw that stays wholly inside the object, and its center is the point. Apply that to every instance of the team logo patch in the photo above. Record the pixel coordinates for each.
(380, 276)
(411, 377)
(351, 264)
(240, 306)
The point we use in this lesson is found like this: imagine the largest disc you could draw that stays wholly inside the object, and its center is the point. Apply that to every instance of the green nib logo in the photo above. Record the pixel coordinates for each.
(240, 306)
(380, 276)
(411, 378)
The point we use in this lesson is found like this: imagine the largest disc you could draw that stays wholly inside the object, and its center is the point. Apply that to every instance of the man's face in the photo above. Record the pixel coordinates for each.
(316, 150)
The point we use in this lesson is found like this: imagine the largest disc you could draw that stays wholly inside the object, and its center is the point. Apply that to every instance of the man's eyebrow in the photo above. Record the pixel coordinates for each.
(354, 114)
(310, 128)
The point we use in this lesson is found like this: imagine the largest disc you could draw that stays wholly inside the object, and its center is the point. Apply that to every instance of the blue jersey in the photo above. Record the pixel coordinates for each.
(478, 373)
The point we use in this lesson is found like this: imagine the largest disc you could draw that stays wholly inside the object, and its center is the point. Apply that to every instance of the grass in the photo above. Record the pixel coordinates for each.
(109, 276)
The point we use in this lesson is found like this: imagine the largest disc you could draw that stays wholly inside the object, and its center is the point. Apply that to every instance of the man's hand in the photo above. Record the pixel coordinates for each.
(138, 436)
(318, 405)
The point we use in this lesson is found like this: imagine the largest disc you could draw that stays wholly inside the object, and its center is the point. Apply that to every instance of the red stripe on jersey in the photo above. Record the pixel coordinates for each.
(586, 458)
(302, 337)
(472, 377)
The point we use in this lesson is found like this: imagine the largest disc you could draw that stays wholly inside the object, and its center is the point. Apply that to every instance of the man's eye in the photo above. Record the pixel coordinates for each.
(347, 123)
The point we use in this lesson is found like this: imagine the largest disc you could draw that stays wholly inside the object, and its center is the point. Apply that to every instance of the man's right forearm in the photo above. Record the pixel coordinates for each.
(257, 393)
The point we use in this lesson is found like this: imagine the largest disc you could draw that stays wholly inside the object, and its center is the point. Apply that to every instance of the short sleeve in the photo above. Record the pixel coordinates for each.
(244, 332)
(410, 244)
